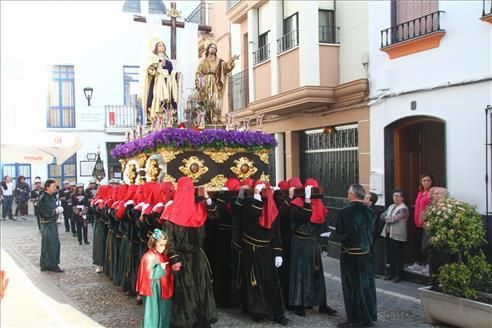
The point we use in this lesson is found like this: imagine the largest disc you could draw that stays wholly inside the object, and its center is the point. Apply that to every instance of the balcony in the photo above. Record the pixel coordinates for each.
(261, 54)
(487, 11)
(416, 35)
(119, 119)
(288, 41)
(329, 34)
(238, 91)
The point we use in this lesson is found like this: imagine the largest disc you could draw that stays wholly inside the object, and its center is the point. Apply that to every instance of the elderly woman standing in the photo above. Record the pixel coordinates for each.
(395, 231)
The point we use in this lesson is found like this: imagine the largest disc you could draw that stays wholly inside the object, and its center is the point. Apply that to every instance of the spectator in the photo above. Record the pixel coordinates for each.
(35, 194)
(395, 231)
(7, 187)
(423, 199)
(21, 197)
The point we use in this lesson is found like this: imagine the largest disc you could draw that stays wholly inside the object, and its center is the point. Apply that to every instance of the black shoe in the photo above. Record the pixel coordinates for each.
(257, 318)
(86, 242)
(23, 218)
(299, 310)
(74, 235)
(80, 243)
(67, 230)
(57, 269)
(397, 279)
(282, 320)
(139, 301)
(389, 277)
(327, 310)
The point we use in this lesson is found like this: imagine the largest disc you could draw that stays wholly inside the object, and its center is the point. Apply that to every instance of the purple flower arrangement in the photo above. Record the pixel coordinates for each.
(196, 140)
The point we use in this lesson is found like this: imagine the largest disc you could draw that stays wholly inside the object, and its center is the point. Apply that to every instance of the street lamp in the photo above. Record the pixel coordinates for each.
(88, 94)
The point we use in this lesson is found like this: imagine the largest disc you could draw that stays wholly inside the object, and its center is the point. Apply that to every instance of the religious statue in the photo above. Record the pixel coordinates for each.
(153, 170)
(161, 85)
(210, 79)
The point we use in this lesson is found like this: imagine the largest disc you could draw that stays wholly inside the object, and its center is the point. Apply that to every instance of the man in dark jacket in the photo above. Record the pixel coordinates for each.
(50, 242)
(355, 226)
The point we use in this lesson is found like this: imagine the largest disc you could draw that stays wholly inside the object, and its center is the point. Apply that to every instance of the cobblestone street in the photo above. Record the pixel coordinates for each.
(95, 296)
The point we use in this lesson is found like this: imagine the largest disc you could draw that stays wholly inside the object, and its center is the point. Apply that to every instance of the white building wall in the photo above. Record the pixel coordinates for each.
(352, 18)
(462, 109)
(265, 18)
(464, 55)
(291, 7)
(464, 52)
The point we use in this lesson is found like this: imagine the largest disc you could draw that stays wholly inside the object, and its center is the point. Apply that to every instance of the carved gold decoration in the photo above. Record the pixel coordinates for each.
(244, 168)
(169, 155)
(263, 155)
(153, 170)
(219, 156)
(217, 182)
(141, 158)
(132, 173)
(123, 162)
(193, 168)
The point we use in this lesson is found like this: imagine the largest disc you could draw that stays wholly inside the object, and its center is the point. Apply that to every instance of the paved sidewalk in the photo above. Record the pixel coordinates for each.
(36, 301)
(81, 298)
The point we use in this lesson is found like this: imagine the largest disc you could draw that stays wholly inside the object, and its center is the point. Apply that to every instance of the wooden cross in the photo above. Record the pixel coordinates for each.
(173, 13)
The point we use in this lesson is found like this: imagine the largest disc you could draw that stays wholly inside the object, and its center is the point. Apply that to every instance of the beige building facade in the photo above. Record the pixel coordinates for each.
(302, 69)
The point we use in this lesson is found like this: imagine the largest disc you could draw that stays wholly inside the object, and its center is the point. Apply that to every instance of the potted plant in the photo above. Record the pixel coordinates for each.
(459, 295)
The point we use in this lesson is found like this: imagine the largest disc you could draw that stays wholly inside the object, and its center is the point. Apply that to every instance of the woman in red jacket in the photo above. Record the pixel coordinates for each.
(423, 199)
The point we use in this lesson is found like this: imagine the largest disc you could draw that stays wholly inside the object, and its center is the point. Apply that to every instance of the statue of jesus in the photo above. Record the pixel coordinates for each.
(211, 75)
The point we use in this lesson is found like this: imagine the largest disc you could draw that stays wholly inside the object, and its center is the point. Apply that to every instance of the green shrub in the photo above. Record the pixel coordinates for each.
(458, 228)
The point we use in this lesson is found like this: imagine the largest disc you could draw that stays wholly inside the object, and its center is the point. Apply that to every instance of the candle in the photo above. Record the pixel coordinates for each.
(134, 134)
(140, 128)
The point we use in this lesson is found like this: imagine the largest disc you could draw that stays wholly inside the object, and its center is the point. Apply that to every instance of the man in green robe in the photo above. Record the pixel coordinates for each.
(355, 226)
(50, 243)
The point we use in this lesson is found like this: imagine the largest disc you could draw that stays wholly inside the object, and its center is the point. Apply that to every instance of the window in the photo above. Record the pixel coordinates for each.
(61, 97)
(114, 166)
(291, 36)
(263, 52)
(131, 89)
(15, 170)
(327, 29)
(65, 171)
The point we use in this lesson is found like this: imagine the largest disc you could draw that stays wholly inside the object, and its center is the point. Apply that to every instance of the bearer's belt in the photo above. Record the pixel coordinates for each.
(354, 251)
(303, 235)
(222, 226)
(255, 242)
(46, 221)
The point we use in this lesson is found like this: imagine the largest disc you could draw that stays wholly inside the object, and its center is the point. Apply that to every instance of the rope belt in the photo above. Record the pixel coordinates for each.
(224, 227)
(255, 242)
(46, 221)
(303, 235)
(354, 251)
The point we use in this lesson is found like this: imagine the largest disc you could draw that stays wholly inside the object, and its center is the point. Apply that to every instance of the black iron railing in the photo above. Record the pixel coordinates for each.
(487, 8)
(412, 29)
(238, 91)
(329, 34)
(261, 54)
(288, 41)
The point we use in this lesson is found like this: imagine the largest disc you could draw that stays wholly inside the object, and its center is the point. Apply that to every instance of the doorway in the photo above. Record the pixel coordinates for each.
(413, 145)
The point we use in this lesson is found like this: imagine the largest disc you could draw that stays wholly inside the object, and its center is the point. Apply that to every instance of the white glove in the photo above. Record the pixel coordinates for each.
(325, 234)
(275, 188)
(225, 188)
(59, 210)
(208, 201)
(278, 261)
(259, 187)
(307, 192)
